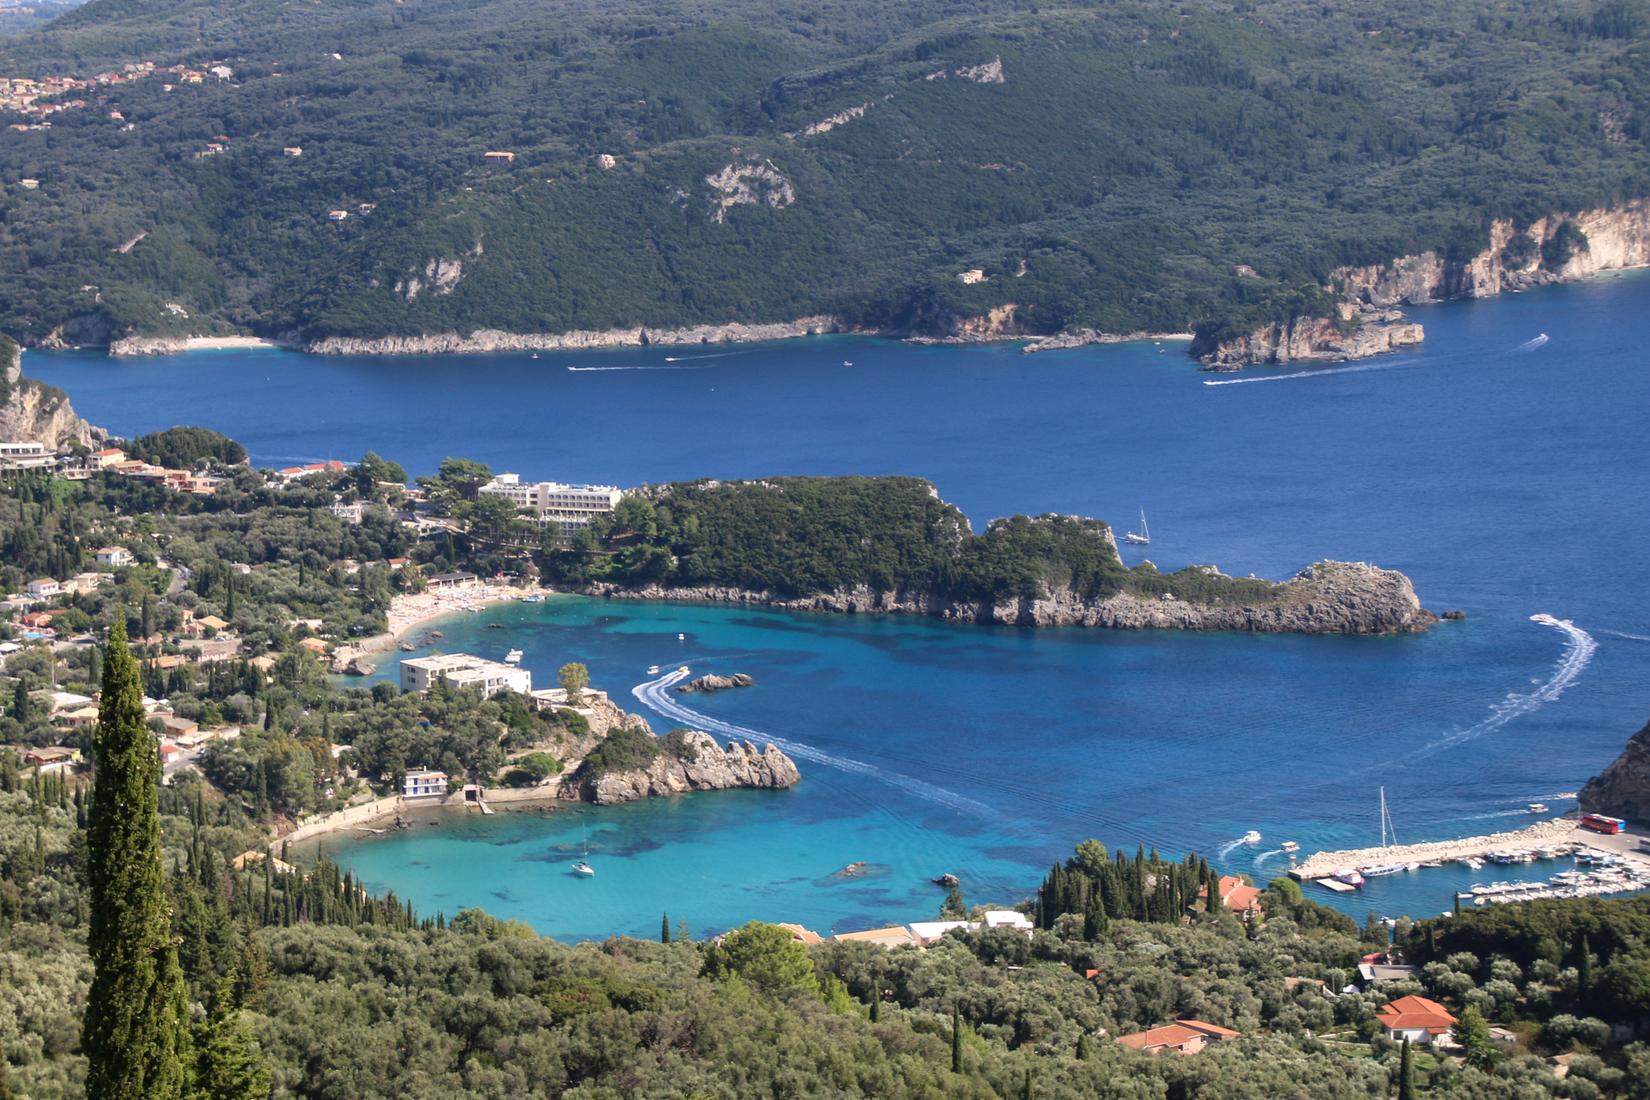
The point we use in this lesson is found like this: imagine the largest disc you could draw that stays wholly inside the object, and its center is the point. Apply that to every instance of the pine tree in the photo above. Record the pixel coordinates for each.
(1406, 1075)
(664, 929)
(956, 1039)
(226, 1067)
(135, 1037)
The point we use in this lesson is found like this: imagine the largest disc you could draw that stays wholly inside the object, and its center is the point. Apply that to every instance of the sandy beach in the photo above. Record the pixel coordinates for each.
(409, 611)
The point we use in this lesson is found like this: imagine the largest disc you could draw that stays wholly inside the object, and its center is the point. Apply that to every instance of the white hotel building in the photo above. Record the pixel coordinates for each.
(569, 506)
(460, 670)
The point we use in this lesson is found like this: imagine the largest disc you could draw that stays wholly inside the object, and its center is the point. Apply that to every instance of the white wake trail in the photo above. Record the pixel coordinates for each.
(1300, 374)
(1579, 648)
(635, 366)
(656, 695)
(1531, 345)
(716, 355)
(1624, 634)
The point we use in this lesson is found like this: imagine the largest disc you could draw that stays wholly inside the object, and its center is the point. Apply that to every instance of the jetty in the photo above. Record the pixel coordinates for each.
(1542, 834)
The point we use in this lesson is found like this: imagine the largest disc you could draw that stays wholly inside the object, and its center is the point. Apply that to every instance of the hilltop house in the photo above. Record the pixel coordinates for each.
(43, 589)
(1416, 1018)
(116, 556)
(1236, 895)
(1181, 1037)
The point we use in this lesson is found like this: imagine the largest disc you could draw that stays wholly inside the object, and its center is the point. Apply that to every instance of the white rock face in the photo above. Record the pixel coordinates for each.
(749, 185)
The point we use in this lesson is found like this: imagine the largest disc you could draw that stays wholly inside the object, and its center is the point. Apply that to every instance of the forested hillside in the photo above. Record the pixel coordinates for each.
(1097, 164)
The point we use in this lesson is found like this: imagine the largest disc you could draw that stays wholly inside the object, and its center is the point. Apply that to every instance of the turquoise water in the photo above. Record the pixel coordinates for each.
(1506, 482)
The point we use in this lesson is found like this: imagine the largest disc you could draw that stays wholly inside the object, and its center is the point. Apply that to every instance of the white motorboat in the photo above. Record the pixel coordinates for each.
(513, 657)
(1251, 837)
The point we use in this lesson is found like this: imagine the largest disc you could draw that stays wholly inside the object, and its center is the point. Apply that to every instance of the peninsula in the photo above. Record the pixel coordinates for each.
(890, 545)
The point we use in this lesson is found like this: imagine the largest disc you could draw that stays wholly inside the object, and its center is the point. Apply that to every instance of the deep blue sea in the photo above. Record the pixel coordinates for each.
(1506, 480)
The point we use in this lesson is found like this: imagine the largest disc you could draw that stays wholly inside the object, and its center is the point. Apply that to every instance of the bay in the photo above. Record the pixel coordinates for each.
(1507, 481)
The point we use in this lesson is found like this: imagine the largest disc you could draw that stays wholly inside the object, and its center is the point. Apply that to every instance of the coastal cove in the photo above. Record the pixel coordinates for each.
(1475, 468)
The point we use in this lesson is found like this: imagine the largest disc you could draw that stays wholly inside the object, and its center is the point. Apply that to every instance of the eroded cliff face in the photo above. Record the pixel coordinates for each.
(701, 765)
(485, 340)
(33, 412)
(1326, 598)
(1609, 240)
(692, 762)
(1623, 788)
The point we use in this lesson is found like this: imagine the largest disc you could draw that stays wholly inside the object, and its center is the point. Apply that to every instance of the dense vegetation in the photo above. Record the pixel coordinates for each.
(186, 448)
(1133, 155)
(803, 536)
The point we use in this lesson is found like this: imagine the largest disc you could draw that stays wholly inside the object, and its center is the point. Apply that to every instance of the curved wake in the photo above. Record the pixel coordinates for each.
(1624, 634)
(1531, 345)
(1578, 653)
(1301, 374)
(656, 695)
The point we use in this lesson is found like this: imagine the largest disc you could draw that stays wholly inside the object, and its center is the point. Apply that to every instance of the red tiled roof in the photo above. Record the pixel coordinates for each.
(1411, 1013)
(1176, 1035)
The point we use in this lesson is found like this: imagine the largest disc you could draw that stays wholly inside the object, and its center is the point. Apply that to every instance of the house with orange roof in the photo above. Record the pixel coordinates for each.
(800, 934)
(1180, 1037)
(1415, 1018)
(1238, 896)
(890, 937)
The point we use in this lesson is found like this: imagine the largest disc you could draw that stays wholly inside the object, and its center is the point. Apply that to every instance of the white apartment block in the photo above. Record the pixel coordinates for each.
(26, 456)
(423, 784)
(569, 506)
(461, 670)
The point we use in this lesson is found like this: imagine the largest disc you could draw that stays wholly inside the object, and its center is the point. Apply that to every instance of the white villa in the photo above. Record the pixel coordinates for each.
(423, 784)
(461, 670)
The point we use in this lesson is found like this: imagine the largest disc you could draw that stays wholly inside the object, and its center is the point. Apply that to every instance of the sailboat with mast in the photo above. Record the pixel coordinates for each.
(1389, 836)
(582, 868)
(1142, 537)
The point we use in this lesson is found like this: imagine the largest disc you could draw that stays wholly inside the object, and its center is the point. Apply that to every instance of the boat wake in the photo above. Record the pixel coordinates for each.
(1230, 846)
(656, 695)
(635, 366)
(1531, 345)
(1579, 648)
(1624, 634)
(1300, 374)
(715, 355)
(1261, 859)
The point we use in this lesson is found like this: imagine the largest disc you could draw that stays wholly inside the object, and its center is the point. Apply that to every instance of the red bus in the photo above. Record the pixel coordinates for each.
(1601, 824)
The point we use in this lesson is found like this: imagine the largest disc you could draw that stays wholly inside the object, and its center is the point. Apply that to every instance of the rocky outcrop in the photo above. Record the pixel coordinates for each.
(33, 412)
(749, 185)
(713, 682)
(1085, 337)
(997, 323)
(698, 763)
(1554, 249)
(488, 340)
(1623, 788)
(1326, 598)
(1366, 333)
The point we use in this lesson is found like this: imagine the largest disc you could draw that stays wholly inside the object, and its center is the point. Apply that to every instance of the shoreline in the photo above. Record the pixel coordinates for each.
(132, 347)
(413, 611)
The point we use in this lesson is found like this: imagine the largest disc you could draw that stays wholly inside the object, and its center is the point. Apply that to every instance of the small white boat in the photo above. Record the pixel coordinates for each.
(1142, 537)
(1291, 847)
(535, 355)
(653, 670)
(1348, 875)
(1384, 869)
(681, 637)
(584, 869)
(513, 657)
(534, 598)
(847, 363)
(1251, 837)
(1538, 807)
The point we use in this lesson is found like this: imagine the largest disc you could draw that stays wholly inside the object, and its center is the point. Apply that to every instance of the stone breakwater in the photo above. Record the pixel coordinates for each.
(1326, 598)
(492, 340)
(1322, 864)
(700, 765)
(1370, 323)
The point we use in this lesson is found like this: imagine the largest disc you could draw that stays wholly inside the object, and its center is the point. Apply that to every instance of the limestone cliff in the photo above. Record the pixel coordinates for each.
(486, 340)
(33, 412)
(1623, 788)
(1557, 248)
(686, 760)
(697, 764)
(1326, 598)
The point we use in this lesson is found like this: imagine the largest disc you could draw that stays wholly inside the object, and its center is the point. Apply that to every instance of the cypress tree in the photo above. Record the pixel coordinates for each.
(20, 703)
(1083, 1047)
(1406, 1075)
(876, 1005)
(956, 1039)
(226, 1068)
(664, 929)
(1584, 967)
(135, 1035)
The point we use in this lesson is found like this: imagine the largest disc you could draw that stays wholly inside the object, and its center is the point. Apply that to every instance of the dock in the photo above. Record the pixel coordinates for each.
(1333, 884)
(1541, 834)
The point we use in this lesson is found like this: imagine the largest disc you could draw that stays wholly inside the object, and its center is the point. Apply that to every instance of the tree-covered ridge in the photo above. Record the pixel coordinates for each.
(1132, 156)
(807, 536)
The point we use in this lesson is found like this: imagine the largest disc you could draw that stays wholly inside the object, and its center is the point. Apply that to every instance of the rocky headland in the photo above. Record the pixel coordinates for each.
(1623, 788)
(683, 761)
(1554, 249)
(33, 412)
(1326, 598)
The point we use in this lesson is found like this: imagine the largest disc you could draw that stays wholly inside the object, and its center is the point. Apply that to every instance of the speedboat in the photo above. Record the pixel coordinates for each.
(1291, 846)
(1251, 837)
(513, 657)
(584, 870)
(1538, 807)
(653, 670)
